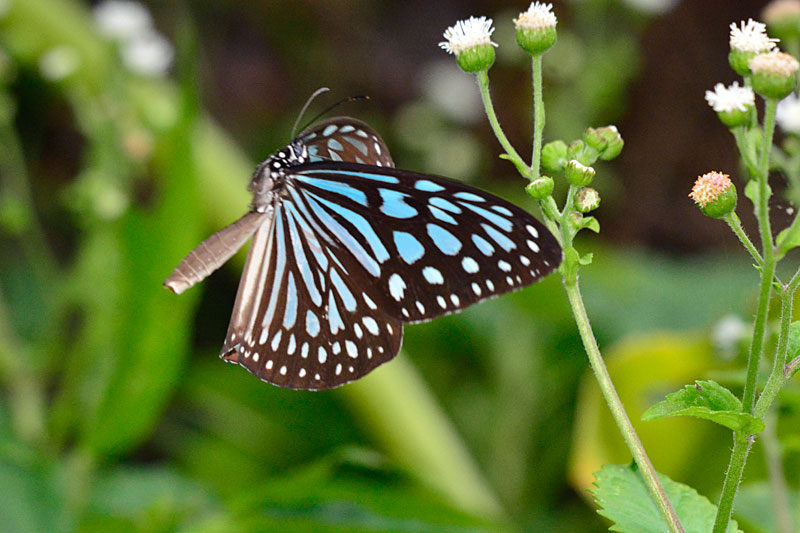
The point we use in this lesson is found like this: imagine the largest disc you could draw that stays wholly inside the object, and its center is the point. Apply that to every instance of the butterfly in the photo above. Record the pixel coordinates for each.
(346, 249)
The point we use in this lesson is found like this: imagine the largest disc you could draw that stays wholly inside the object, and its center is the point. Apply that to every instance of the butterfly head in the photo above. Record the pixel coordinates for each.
(270, 173)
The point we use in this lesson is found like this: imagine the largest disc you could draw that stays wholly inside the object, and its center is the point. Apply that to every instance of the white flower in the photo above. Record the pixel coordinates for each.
(121, 19)
(467, 34)
(538, 15)
(751, 37)
(788, 114)
(58, 63)
(149, 54)
(723, 99)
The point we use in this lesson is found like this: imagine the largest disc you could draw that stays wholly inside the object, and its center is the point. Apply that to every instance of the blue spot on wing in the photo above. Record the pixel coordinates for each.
(394, 204)
(444, 240)
(365, 175)
(409, 248)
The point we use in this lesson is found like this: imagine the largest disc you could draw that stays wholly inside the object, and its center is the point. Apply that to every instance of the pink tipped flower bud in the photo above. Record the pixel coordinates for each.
(587, 199)
(714, 194)
(746, 41)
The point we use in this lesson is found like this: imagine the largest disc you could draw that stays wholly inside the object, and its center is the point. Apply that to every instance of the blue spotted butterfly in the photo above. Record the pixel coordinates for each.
(346, 248)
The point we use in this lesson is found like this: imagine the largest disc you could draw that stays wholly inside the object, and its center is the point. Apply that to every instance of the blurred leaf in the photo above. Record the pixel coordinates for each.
(754, 507)
(29, 503)
(707, 400)
(349, 491)
(794, 341)
(146, 499)
(624, 499)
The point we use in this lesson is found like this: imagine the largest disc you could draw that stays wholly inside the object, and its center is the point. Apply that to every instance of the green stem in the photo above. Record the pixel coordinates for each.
(768, 266)
(742, 443)
(777, 377)
(741, 447)
(513, 156)
(777, 478)
(616, 407)
(538, 115)
(736, 225)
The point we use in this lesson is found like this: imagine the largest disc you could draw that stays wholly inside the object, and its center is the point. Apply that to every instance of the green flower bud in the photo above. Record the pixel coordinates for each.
(540, 188)
(614, 142)
(470, 41)
(774, 74)
(554, 156)
(783, 19)
(575, 149)
(476, 59)
(578, 174)
(593, 139)
(536, 28)
(715, 194)
(739, 61)
(587, 199)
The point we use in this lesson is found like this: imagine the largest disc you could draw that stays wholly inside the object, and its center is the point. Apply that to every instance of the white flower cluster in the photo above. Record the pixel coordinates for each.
(723, 99)
(144, 50)
(751, 37)
(467, 34)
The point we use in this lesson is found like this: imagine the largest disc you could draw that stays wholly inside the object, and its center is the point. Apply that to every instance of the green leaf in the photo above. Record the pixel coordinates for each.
(623, 497)
(707, 400)
(751, 191)
(586, 259)
(591, 223)
(794, 341)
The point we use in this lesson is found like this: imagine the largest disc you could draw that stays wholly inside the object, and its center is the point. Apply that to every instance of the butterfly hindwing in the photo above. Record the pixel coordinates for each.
(308, 324)
(346, 139)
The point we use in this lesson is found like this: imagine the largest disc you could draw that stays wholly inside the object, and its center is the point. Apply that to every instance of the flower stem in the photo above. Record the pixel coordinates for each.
(616, 407)
(743, 442)
(513, 156)
(736, 225)
(768, 266)
(538, 115)
(741, 447)
(777, 377)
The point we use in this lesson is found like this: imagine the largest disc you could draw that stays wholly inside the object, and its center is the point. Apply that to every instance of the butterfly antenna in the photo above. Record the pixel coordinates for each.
(332, 107)
(305, 107)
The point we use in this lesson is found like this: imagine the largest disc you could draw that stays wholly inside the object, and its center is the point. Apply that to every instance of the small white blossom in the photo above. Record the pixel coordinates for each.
(121, 19)
(538, 15)
(731, 98)
(467, 34)
(58, 63)
(751, 37)
(788, 114)
(149, 54)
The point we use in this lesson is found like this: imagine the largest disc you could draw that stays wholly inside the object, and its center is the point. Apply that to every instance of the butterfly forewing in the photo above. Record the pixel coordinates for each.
(429, 245)
(346, 139)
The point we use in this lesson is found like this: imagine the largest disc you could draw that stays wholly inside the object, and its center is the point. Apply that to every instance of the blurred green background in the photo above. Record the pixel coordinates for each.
(115, 161)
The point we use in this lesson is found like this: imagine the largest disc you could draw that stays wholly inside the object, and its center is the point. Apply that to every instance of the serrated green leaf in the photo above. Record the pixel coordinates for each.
(624, 499)
(707, 400)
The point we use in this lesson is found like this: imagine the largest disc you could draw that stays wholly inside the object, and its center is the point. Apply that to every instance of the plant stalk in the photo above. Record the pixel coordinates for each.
(538, 115)
(616, 407)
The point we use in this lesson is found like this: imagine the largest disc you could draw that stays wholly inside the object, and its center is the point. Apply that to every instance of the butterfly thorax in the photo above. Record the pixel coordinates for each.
(270, 176)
